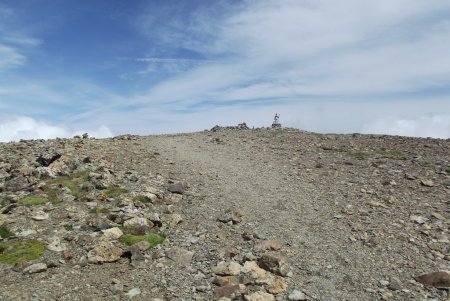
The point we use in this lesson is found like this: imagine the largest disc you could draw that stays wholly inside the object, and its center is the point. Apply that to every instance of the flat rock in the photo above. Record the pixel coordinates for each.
(40, 216)
(35, 268)
(180, 255)
(176, 188)
(427, 183)
(436, 279)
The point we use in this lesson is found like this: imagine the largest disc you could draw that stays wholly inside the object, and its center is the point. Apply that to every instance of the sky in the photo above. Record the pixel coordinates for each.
(111, 67)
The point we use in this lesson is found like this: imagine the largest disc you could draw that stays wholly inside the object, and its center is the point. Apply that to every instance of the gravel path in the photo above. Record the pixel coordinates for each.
(355, 217)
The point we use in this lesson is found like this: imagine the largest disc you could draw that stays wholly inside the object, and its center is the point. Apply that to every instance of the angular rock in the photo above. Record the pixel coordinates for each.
(277, 286)
(227, 268)
(258, 274)
(105, 251)
(46, 158)
(175, 219)
(273, 264)
(112, 233)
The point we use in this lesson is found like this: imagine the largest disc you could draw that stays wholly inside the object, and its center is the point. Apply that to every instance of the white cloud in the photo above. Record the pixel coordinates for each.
(22, 127)
(436, 126)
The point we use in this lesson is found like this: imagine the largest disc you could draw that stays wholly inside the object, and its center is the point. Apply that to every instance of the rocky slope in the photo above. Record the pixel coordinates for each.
(229, 214)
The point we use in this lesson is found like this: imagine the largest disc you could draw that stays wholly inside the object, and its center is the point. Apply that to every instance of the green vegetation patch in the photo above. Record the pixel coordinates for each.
(33, 201)
(447, 170)
(98, 210)
(142, 198)
(5, 233)
(153, 239)
(73, 182)
(12, 253)
(115, 192)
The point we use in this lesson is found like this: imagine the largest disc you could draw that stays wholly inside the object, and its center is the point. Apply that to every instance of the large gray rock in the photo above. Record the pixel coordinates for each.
(46, 158)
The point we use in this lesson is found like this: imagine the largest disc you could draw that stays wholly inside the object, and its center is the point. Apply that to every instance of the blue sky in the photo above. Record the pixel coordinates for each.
(111, 67)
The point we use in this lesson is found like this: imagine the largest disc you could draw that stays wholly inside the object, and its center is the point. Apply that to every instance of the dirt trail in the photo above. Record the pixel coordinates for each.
(292, 209)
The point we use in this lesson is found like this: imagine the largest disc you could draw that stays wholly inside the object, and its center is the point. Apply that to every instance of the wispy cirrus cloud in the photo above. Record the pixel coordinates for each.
(14, 44)
(295, 48)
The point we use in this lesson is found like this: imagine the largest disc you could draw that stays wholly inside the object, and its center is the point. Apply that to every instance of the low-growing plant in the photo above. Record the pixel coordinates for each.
(115, 192)
(15, 252)
(74, 182)
(98, 210)
(33, 200)
(142, 198)
(5, 233)
(153, 239)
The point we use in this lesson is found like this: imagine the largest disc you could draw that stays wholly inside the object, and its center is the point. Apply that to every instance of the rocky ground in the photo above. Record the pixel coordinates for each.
(226, 214)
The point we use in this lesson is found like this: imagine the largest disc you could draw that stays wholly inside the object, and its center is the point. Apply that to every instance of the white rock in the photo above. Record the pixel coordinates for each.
(40, 216)
(112, 233)
(35, 268)
(136, 221)
(133, 292)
